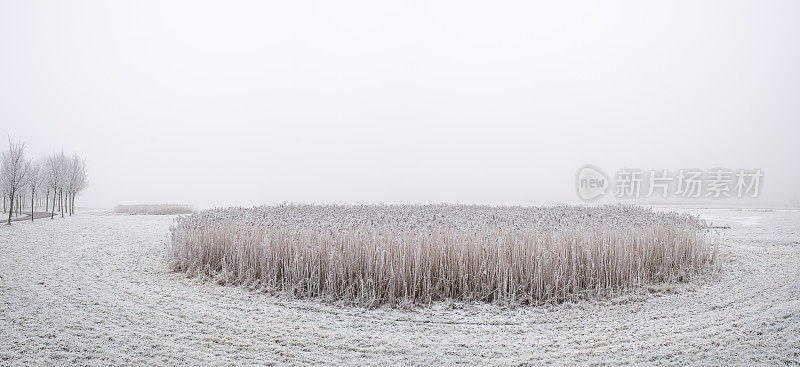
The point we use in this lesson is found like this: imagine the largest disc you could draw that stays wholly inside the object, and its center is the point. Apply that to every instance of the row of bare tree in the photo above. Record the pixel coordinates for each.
(50, 182)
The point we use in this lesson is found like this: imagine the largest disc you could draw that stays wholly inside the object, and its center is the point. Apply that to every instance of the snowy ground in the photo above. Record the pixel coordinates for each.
(91, 289)
(27, 216)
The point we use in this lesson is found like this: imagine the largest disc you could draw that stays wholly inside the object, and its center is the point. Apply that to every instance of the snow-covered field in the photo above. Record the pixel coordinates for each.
(91, 289)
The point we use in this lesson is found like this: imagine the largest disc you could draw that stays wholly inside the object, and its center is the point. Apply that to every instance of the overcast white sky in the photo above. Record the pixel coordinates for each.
(241, 103)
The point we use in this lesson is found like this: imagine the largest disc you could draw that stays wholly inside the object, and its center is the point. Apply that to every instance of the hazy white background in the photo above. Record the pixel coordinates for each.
(224, 103)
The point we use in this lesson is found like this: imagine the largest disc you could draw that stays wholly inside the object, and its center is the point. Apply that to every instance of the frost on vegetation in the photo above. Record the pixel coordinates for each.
(371, 255)
(154, 209)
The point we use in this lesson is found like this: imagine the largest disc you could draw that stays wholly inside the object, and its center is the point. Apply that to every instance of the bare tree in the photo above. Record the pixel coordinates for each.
(46, 191)
(34, 183)
(65, 177)
(54, 176)
(77, 181)
(14, 171)
(3, 189)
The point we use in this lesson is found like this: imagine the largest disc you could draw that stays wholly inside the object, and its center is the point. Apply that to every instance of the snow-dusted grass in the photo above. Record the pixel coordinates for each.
(154, 209)
(407, 254)
(90, 290)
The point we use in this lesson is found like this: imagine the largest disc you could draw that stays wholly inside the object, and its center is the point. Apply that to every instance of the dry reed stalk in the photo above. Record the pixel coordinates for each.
(409, 254)
(154, 209)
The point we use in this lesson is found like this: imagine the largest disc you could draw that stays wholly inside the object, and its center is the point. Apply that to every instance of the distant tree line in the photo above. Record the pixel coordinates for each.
(50, 183)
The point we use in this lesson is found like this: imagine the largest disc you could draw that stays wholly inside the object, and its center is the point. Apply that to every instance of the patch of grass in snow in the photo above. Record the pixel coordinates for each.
(371, 255)
(154, 209)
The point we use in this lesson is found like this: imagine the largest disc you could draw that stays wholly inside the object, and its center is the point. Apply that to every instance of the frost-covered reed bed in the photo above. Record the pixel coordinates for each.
(411, 254)
(154, 209)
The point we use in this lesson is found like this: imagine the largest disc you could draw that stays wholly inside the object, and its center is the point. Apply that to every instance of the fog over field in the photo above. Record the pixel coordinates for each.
(362, 102)
(401, 183)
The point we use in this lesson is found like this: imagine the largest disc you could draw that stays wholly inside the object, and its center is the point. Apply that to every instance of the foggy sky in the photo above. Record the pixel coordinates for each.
(241, 103)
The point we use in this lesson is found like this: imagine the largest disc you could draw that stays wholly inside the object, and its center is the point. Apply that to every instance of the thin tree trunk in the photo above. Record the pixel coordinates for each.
(61, 203)
(11, 205)
(53, 210)
(46, 200)
(32, 196)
